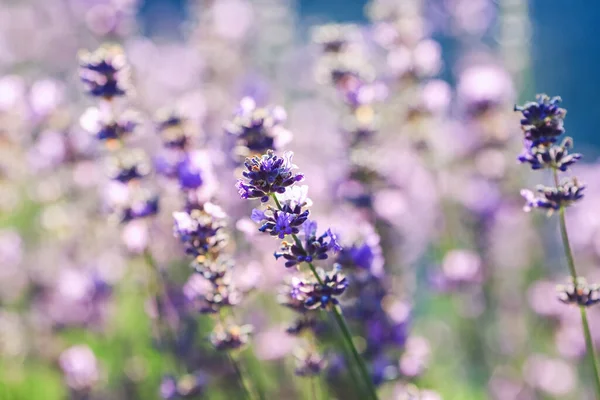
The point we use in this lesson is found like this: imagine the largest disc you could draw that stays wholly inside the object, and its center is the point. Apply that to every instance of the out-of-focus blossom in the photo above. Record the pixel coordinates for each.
(257, 130)
(106, 127)
(335, 38)
(105, 72)
(127, 165)
(201, 230)
(484, 87)
(552, 376)
(309, 363)
(579, 292)
(80, 367)
(230, 336)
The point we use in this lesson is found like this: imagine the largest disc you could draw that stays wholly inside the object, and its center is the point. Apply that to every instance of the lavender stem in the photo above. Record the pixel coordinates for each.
(584, 320)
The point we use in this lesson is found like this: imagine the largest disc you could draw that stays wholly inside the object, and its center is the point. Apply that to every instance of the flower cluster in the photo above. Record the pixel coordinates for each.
(186, 387)
(230, 336)
(266, 175)
(548, 155)
(201, 230)
(543, 119)
(314, 247)
(280, 223)
(178, 162)
(309, 363)
(257, 130)
(105, 74)
(553, 198)
(579, 292)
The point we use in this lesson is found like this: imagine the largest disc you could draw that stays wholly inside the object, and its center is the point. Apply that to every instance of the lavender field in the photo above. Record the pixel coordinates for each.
(249, 204)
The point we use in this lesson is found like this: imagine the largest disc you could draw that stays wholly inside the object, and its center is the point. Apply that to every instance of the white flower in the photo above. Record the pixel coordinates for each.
(295, 195)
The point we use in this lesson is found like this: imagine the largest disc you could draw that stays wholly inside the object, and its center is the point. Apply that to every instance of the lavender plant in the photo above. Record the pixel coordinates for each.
(266, 177)
(543, 124)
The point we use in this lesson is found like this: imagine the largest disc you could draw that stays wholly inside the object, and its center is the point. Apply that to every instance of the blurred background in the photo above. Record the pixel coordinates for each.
(116, 114)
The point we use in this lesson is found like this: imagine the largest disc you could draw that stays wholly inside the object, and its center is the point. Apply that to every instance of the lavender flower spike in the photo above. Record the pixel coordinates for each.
(543, 119)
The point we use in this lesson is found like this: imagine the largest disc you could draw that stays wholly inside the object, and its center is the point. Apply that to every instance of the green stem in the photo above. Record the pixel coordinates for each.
(584, 320)
(243, 382)
(341, 322)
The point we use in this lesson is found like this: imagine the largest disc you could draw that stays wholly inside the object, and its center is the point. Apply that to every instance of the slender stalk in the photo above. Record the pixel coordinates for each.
(584, 319)
(243, 377)
(240, 376)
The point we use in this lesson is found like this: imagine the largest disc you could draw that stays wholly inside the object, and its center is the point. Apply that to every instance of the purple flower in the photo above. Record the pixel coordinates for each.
(105, 129)
(173, 128)
(128, 165)
(105, 72)
(292, 296)
(314, 248)
(230, 336)
(316, 295)
(200, 230)
(80, 367)
(187, 167)
(257, 130)
(543, 119)
(189, 173)
(546, 155)
(579, 292)
(266, 175)
(142, 204)
(286, 221)
(309, 363)
(551, 198)
(168, 388)
(358, 256)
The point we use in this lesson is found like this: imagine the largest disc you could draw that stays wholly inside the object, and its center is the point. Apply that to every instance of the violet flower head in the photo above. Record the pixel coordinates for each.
(280, 223)
(551, 156)
(309, 363)
(105, 129)
(201, 230)
(128, 165)
(334, 38)
(579, 292)
(173, 128)
(188, 386)
(543, 119)
(267, 175)
(316, 295)
(105, 72)
(551, 198)
(188, 168)
(315, 247)
(142, 203)
(257, 129)
(210, 296)
(292, 296)
(230, 336)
